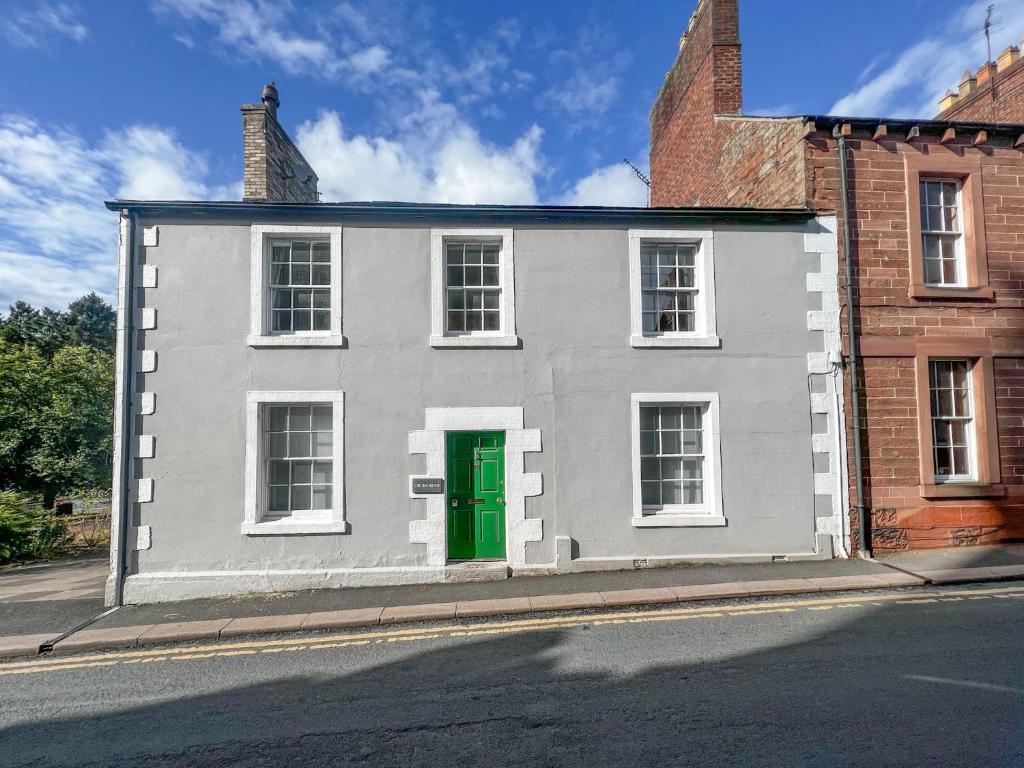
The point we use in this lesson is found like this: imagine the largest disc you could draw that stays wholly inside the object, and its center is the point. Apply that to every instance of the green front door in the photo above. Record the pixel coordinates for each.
(476, 495)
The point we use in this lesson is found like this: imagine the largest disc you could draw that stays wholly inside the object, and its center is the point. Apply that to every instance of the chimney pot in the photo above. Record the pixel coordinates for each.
(270, 98)
(948, 101)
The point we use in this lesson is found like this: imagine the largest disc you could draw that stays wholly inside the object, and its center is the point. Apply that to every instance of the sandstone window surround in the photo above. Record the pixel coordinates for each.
(265, 286)
(985, 470)
(967, 173)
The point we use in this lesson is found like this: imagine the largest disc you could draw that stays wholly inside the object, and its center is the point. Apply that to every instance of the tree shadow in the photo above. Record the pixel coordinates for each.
(895, 685)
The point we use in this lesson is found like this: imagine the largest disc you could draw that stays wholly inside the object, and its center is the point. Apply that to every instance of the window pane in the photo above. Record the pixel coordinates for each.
(300, 497)
(671, 418)
(651, 496)
(300, 274)
(279, 274)
(321, 320)
(277, 418)
(933, 271)
(492, 321)
(321, 472)
(474, 300)
(474, 275)
(322, 252)
(321, 274)
(490, 254)
(277, 499)
(648, 277)
(322, 417)
(455, 276)
(650, 322)
(671, 443)
(277, 445)
(456, 299)
(277, 473)
(672, 492)
(280, 252)
(456, 321)
(693, 493)
(302, 471)
(301, 320)
(491, 299)
(282, 320)
(491, 276)
(453, 254)
(298, 444)
(693, 469)
(473, 253)
(648, 443)
(321, 497)
(322, 444)
(300, 251)
(298, 417)
(473, 321)
(322, 299)
(302, 299)
(648, 417)
(670, 469)
(650, 469)
(648, 256)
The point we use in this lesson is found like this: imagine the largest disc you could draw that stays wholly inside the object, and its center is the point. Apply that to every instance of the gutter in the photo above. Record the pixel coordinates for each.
(863, 523)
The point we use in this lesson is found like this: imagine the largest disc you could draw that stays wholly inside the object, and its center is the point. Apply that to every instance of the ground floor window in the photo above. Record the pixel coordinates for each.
(949, 383)
(676, 459)
(294, 463)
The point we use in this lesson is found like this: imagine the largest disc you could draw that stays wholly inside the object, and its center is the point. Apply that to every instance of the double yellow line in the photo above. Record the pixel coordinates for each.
(484, 629)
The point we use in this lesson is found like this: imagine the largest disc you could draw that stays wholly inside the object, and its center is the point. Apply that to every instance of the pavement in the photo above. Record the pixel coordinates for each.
(74, 623)
(908, 677)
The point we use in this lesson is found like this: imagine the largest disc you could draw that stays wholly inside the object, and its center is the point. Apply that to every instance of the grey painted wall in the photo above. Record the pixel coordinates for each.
(574, 376)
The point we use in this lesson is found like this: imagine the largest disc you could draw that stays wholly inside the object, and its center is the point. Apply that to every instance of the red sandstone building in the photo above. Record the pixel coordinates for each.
(935, 250)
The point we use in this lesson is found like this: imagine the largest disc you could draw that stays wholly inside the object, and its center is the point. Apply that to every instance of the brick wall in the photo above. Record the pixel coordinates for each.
(702, 153)
(879, 228)
(270, 158)
(994, 95)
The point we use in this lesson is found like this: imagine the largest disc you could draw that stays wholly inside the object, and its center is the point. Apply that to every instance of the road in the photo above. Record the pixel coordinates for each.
(930, 677)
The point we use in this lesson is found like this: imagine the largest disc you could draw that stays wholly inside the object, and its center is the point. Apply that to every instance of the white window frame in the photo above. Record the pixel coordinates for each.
(971, 425)
(705, 332)
(260, 334)
(961, 248)
(505, 336)
(333, 521)
(710, 512)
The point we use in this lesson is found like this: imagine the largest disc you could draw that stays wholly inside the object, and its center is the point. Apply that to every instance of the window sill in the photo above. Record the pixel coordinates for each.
(481, 342)
(669, 520)
(297, 341)
(921, 291)
(961, 490)
(679, 342)
(286, 527)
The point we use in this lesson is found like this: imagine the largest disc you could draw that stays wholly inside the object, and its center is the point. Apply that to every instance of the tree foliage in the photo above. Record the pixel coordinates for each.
(57, 397)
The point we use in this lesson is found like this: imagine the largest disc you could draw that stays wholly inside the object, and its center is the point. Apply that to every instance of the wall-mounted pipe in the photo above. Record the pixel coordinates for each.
(863, 523)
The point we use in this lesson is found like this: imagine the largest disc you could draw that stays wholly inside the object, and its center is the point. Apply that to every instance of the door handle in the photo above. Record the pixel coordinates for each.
(499, 500)
(455, 502)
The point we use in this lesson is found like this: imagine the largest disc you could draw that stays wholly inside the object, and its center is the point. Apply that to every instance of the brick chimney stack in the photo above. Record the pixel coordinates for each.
(275, 170)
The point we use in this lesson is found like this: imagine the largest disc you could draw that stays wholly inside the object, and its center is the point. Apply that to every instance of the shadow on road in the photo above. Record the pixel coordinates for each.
(931, 684)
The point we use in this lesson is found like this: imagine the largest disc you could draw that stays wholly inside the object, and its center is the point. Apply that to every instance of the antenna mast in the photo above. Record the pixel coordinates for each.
(987, 29)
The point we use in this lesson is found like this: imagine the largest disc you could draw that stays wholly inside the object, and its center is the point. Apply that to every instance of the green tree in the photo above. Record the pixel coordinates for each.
(23, 395)
(75, 425)
(91, 321)
(23, 325)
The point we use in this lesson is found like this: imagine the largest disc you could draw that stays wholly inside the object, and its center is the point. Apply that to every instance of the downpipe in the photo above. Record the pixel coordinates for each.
(863, 523)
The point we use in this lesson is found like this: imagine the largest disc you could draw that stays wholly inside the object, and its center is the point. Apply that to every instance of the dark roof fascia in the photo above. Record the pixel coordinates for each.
(438, 212)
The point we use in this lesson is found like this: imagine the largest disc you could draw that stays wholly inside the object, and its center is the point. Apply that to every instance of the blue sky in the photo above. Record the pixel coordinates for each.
(528, 102)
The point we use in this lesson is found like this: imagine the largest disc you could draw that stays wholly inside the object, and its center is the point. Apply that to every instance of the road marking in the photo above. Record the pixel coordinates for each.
(527, 624)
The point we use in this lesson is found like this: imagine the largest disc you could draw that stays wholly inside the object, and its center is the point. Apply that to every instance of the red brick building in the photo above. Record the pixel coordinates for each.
(936, 253)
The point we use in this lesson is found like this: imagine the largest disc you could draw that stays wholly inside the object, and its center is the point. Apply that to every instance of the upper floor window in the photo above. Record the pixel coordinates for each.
(300, 286)
(473, 288)
(953, 441)
(946, 226)
(672, 285)
(296, 286)
(942, 237)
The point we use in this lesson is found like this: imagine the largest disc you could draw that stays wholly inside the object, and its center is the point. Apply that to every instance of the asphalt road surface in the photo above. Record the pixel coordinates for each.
(930, 677)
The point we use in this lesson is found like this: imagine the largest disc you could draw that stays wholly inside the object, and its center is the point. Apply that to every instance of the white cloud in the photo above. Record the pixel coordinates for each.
(261, 30)
(914, 83)
(30, 27)
(440, 159)
(57, 241)
(611, 185)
